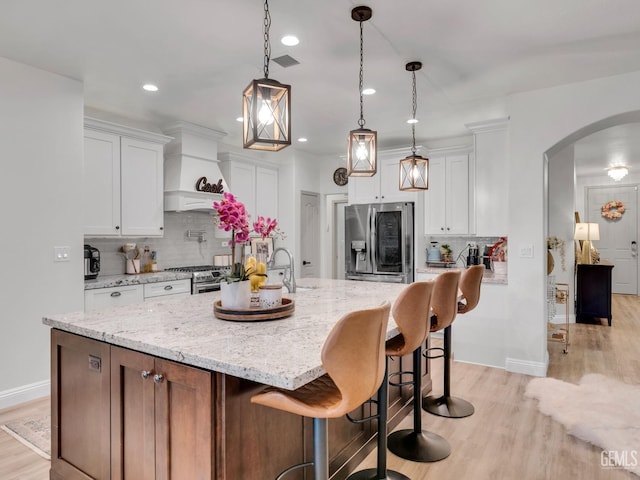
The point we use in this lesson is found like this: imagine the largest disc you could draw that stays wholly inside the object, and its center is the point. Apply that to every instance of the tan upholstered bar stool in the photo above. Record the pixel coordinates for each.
(411, 314)
(446, 405)
(353, 357)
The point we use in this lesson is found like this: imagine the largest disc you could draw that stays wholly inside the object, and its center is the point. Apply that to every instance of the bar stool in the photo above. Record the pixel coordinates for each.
(446, 405)
(353, 357)
(411, 314)
(413, 319)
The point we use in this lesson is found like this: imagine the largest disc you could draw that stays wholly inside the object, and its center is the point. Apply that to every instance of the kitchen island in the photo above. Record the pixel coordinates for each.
(161, 390)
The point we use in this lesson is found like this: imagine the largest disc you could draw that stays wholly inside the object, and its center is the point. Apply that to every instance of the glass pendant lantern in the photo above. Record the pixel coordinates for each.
(362, 155)
(266, 106)
(414, 170)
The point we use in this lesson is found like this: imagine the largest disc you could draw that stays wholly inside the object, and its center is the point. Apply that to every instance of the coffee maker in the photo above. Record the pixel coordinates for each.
(91, 262)
(473, 258)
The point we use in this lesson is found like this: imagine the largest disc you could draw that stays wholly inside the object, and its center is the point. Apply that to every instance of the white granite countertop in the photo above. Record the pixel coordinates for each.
(488, 277)
(106, 281)
(283, 353)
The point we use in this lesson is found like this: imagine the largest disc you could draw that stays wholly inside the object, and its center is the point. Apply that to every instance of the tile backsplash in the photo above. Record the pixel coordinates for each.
(174, 249)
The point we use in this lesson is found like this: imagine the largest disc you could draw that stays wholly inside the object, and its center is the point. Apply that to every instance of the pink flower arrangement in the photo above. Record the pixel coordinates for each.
(264, 226)
(233, 217)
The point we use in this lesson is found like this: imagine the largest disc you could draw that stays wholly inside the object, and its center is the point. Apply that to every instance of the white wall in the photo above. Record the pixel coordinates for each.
(540, 119)
(561, 216)
(41, 122)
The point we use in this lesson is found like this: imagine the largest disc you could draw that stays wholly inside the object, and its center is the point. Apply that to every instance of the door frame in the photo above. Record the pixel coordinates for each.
(331, 201)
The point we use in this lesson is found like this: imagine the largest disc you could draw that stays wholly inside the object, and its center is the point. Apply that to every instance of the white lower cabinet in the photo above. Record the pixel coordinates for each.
(164, 289)
(99, 298)
(113, 297)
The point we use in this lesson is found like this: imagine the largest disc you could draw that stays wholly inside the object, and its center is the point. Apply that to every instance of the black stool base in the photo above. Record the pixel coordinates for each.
(418, 447)
(372, 474)
(450, 407)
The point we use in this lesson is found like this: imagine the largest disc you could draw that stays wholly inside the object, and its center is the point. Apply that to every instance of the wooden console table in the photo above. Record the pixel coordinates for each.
(593, 292)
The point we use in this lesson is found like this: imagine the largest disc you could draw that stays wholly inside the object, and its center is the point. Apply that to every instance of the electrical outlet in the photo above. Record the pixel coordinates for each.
(61, 254)
(526, 251)
(225, 243)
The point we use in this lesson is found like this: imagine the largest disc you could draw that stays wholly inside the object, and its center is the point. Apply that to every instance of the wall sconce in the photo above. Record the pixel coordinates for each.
(586, 232)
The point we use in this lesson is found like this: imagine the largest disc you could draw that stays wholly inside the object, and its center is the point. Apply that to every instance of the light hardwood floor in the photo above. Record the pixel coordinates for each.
(507, 438)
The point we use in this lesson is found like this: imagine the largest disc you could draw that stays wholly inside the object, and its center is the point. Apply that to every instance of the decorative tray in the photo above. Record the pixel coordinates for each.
(254, 314)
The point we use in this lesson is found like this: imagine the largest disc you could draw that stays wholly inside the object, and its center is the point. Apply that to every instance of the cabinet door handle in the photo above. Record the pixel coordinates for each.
(161, 228)
(634, 248)
(145, 374)
(304, 262)
(168, 287)
(442, 228)
(115, 294)
(158, 378)
(117, 227)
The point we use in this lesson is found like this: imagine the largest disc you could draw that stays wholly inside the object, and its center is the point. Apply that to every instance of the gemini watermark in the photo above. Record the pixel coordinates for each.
(619, 458)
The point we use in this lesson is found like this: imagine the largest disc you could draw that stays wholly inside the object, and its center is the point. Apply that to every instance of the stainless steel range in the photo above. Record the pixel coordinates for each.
(204, 278)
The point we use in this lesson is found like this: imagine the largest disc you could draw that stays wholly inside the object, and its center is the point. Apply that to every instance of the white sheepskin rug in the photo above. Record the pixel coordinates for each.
(600, 410)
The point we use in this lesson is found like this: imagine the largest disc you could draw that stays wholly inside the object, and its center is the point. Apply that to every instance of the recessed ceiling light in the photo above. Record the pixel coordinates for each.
(239, 119)
(150, 87)
(368, 91)
(412, 120)
(302, 139)
(290, 40)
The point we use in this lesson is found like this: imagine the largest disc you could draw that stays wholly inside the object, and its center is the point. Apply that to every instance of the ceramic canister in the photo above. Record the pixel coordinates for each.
(270, 296)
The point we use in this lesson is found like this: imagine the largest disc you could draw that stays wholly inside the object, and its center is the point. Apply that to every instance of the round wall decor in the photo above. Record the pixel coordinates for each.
(612, 210)
(340, 176)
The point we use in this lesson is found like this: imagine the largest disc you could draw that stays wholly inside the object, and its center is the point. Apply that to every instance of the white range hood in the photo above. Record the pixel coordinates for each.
(192, 176)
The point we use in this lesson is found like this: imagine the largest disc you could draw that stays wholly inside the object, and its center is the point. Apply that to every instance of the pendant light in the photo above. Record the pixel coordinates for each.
(414, 170)
(266, 106)
(362, 151)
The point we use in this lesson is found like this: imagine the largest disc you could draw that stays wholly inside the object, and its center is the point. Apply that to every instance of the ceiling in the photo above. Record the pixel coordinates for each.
(203, 53)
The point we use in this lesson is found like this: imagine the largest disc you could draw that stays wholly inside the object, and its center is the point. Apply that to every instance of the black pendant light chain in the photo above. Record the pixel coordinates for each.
(361, 84)
(267, 44)
(415, 107)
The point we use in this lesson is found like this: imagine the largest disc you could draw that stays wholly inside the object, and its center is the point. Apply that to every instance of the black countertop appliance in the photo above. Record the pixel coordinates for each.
(91, 262)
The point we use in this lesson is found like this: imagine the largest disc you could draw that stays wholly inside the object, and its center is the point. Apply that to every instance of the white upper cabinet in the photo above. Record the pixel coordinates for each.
(384, 186)
(491, 176)
(122, 180)
(255, 185)
(448, 200)
(141, 194)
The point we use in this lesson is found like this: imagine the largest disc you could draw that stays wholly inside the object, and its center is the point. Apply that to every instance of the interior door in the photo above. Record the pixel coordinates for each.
(617, 236)
(310, 234)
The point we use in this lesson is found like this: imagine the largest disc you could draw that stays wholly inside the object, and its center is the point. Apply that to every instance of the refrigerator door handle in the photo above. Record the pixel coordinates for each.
(373, 238)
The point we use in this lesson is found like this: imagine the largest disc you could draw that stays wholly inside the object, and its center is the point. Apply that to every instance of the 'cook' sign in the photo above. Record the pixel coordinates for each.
(203, 186)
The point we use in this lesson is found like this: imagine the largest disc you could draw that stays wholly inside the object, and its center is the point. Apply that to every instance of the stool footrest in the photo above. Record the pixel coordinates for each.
(426, 352)
(450, 407)
(401, 384)
(365, 419)
(294, 467)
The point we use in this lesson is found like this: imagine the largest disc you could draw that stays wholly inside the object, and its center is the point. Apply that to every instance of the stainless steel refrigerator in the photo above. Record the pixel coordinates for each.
(379, 242)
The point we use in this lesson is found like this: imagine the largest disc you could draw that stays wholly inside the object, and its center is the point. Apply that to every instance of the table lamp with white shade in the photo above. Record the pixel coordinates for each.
(586, 232)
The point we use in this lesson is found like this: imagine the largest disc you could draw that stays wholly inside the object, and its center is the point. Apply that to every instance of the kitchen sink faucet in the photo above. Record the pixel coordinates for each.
(288, 279)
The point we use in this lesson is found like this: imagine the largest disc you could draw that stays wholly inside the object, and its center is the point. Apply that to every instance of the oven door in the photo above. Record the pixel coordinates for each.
(205, 287)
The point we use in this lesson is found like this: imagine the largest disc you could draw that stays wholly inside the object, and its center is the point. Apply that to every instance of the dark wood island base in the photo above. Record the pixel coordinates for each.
(122, 414)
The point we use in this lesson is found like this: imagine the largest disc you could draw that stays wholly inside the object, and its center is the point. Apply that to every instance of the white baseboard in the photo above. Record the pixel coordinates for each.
(559, 318)
(536, 369)
(14, 396)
